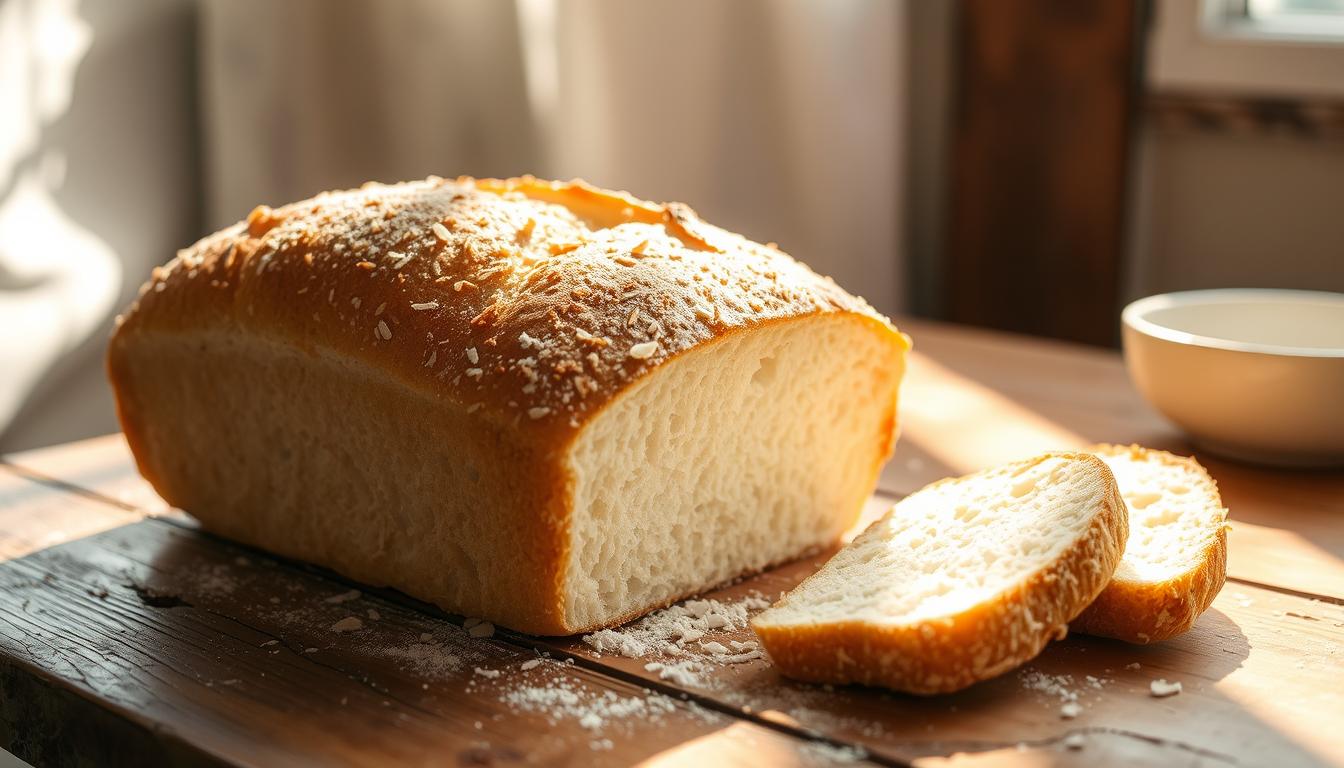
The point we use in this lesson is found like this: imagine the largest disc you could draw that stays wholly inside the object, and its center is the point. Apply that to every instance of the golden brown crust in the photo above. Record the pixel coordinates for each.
(530, 305)
(534, 301)
(946, 654)
(1148, 612)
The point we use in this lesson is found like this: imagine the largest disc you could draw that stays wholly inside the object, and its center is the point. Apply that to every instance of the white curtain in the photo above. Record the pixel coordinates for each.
(97, 184)
(782, 119)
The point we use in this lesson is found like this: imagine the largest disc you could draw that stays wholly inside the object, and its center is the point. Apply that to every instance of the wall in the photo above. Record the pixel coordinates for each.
(1215, 210)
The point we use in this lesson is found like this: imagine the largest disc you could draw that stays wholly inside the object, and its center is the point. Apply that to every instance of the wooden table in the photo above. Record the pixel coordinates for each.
(127, 636)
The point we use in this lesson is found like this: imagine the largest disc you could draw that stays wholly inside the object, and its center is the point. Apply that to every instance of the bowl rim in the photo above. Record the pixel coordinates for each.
(1135, 315)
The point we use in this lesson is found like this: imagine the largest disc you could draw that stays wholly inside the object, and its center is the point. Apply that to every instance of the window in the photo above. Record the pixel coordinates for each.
(1320, 21)
(1283, 49)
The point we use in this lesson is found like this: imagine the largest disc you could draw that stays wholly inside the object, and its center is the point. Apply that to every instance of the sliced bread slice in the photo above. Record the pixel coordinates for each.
(959, 582)
(1176, 559)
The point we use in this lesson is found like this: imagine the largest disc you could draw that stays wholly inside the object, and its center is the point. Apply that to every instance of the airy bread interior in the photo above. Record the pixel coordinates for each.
(736, 456)
(952, 546)
(1174, 514)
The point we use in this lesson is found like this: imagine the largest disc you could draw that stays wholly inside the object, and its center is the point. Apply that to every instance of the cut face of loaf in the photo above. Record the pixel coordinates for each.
(598, 425)
(960, 582)
(732, 459)
(1176, 559)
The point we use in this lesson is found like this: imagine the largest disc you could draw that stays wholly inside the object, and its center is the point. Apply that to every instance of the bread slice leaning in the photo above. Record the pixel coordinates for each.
(1176, 559)
(959, 582)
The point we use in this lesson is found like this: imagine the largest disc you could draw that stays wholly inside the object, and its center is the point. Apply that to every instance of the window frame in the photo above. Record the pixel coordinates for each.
(1210, 46)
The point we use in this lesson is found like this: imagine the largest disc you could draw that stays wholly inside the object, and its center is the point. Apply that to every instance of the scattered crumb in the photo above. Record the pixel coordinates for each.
(427, 659)
(679, 631)
(1053, 685)
(425, 637)
(1160, 688)
(310, 650)
(1074, 741)
(1070, 710)
(269, 643)
(483, 629)
(530, 664)
(566, 699)
(488, 673)
(344, 597)
(348, 624)
(1133, 665)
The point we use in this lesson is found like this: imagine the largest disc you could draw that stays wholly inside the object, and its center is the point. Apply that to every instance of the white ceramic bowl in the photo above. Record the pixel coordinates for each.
(1253, 374)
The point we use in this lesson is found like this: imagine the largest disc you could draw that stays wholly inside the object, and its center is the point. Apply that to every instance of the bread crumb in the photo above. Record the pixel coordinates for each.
(530, 664)
(425, 637)
(1160, 688)
(1070, 710)
(1133, 665)
(537, 412)
(473, 356)
(344, 597)
(483, 629)
(348, 624)
(374, 614)
(1074, 741)
(487, 673)
(423, 305)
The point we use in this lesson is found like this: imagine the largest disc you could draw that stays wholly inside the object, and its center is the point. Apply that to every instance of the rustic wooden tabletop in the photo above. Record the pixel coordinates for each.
(127, 636)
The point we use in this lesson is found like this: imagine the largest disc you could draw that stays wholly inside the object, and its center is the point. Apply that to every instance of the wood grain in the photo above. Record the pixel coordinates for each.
(151, 643)
(171, 632)
(33, 518)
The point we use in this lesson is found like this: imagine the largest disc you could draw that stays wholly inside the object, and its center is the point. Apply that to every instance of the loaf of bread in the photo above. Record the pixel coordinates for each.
(961, 581)
(544, 404)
